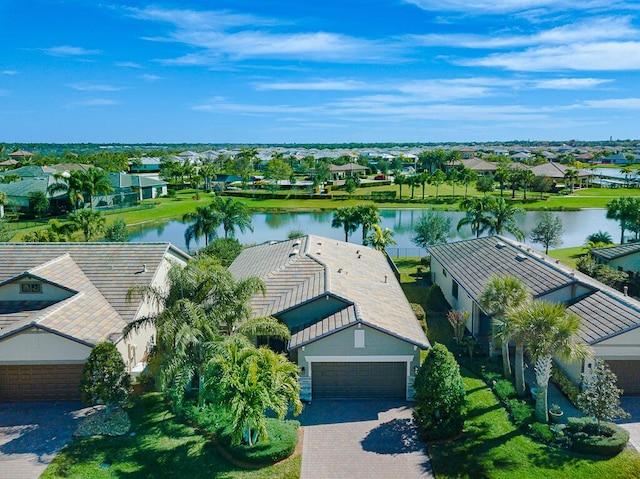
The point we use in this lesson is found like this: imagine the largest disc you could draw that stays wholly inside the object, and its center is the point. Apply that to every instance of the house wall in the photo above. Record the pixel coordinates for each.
(463, 302)
(312, 311)
(627, 263)
(565, 294)
(622, 346)
(340, 347)
(37, 346)
(11, 292)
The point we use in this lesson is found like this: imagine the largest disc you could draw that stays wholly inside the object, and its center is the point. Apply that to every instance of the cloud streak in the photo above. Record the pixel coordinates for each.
(69, 51)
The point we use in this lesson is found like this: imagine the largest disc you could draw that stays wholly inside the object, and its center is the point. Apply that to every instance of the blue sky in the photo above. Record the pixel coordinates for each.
(278, 71)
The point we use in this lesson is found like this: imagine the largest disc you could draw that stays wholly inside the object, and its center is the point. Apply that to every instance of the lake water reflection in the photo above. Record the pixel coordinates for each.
(275, 226)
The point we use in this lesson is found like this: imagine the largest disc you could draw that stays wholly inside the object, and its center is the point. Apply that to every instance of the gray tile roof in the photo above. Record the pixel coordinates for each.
(613, 252)
(605, 312)
(474, 262)
(326, 326)
(112, 268)
(296, 271)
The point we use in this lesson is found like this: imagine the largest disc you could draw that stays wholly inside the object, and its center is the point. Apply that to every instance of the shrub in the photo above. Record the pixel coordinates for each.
(521, 412)
(440, 395)
(104, 377)
(435, 299)
(504, 389)
(560, 379)
(541, 432)
(418, 310)
(586, 440)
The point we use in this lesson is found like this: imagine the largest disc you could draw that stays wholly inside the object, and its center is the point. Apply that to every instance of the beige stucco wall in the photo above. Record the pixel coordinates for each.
(37, 346)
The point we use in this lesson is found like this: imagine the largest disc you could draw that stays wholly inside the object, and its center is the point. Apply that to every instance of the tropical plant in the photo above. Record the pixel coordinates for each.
(500, 297)
(625, 211)
(105, 379)
(205, 223)
(548, 330)
(380, 238)
(599, 238)
(296, 233)
(440, 395)
(527, 178)
(503, 217)
(91, 223)
(117, 232)
(71, 183)
(466, 177)
(570, 175)
(95, 181)
(485, 184)
(225, 250)
(399, 179)
(502, 177)
(432, 228)
(234, 214)
(477, 215)
(38, 203)
(367, 215)
(249, 381)
(436, 179)
(548, 231)
(600, 396)
(453, 178)
(347, 219)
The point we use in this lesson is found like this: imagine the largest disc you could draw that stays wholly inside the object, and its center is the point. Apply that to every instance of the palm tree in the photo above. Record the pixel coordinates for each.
(467, 176)
(571, 174)
(234, 214)
(399, 180)
(624, 210)
(367, 215)
(501, 296)
(345, 218)
(476, 216)
(527, 177)
(71, 183)
(549, 330)
(4, 200)
(91, 223)
(503, 217)
(502, 176)
(248, 381)
(379, 238)
(437, 179)
(96, 181)
(205, 223)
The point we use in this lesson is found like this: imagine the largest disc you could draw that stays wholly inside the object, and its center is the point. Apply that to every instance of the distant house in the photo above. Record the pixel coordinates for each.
(344, 171)
(619, 159)
(145, 165)
(624, 257)
(353, 332)
(557, 171)
(481, 167)
(57, 300)
(145, 187)
(20, 155)
(8, 164)
(610, 319)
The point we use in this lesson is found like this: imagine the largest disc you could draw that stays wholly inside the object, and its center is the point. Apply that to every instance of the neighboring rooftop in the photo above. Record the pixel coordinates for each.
(618, 251)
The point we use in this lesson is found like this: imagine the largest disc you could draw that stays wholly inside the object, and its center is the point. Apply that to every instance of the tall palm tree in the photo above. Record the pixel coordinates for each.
(71, 183)
(624, 210)
(476, 215)
(96, 181)
(205, 223)
(91, 223)
(527, 177)
(4, 200)
(380, 238)
(234, 214)
(500, 296)
(367, 215)
(247, 382)
(346, 219)
(502, 176)
(570, 175)
(503, 217)
(549, 330)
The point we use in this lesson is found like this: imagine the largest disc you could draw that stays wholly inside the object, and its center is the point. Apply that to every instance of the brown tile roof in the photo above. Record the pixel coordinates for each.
(298, 270)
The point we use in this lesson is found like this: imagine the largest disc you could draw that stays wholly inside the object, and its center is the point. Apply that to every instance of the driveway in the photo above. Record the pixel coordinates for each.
(361, 438)
(631, 404)
(31, 434)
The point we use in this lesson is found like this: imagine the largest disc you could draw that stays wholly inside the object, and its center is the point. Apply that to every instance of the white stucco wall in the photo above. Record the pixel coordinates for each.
(37, 346)
(463, 302)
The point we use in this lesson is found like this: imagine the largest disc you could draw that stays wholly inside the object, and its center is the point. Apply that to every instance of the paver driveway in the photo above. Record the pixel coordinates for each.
(361, 439)
(31, 434)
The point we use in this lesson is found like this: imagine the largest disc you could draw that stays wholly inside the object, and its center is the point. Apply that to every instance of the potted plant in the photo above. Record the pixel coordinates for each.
(555, 413)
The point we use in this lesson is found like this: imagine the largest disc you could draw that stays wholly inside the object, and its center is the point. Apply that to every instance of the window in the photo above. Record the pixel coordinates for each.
(30, 288)
(359, 338)
(454, 289)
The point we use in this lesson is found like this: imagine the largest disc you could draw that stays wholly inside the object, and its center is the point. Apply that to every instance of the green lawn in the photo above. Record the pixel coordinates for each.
(163, 446)
(568, 256)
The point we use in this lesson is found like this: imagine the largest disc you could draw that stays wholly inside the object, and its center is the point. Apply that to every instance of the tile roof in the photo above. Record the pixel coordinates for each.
(340, 320)
(612, 252)
(298, 270)
(605, 312)
(555, 170)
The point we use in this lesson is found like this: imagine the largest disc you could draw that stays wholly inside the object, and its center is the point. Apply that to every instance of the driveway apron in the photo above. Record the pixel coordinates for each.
(31, 434)
(363, 438)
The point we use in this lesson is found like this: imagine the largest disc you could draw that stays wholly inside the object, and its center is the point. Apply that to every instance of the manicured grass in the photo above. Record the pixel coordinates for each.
(491, 447)
(568, 256)
(163, 446)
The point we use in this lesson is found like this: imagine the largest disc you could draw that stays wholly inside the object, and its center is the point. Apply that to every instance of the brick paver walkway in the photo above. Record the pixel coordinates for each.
(369, 439)
(31, 434)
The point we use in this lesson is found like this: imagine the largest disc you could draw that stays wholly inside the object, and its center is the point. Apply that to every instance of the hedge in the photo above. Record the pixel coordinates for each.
(560, 379)
(585, 439)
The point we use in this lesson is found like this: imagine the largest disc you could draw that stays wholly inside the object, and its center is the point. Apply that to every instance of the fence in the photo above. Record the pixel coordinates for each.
(398, 252)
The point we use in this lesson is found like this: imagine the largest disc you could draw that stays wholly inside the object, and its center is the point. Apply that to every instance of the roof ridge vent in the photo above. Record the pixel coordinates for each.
(296, 244)
(295, 252)
(501, 245)
(520, 257)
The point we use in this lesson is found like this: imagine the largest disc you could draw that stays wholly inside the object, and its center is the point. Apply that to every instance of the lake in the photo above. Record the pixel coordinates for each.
(275, 226)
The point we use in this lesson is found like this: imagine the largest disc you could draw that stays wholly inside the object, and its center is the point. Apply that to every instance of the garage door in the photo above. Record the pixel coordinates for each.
(40, 382)
(359, 380)
(628, 375)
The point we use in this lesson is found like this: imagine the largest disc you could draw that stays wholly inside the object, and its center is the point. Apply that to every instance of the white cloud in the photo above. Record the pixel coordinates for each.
(128, 65)
(69, 51)
(93, 102)
(603, 56)
(570, 83)
(193, 19)
(219, 105)
(614, 104)
(151, 78)
(504, 6)
(320, 85)
(9, 72)
(95, 87)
